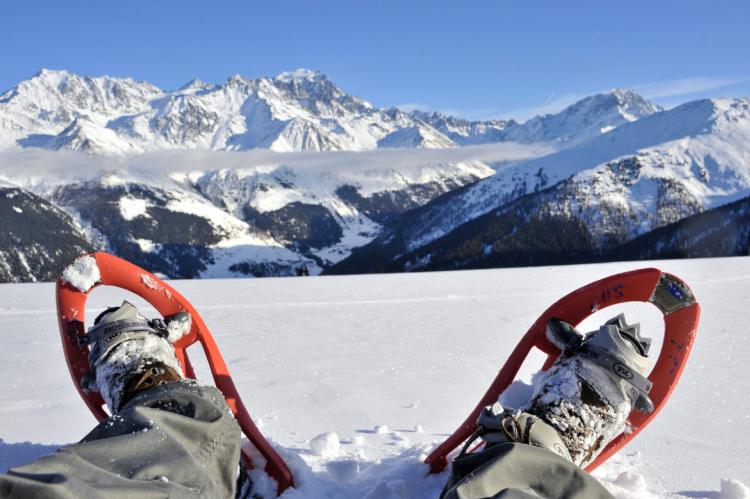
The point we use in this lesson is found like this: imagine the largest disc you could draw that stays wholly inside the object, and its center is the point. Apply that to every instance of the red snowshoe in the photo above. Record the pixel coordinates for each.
(668, 293)
(102, 269)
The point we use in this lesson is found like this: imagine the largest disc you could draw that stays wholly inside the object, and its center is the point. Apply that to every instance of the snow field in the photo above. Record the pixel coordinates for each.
(375, 359)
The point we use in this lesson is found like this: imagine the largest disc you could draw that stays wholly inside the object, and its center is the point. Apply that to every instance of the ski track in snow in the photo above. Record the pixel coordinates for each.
(370, 358)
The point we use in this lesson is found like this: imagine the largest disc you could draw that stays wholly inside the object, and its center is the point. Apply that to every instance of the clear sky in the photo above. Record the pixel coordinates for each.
(473, 58)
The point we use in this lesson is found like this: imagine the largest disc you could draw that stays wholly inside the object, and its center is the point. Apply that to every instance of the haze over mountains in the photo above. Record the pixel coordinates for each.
(608, 169)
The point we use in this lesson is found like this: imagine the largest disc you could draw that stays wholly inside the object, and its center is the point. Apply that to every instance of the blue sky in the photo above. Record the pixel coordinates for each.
(478, 59)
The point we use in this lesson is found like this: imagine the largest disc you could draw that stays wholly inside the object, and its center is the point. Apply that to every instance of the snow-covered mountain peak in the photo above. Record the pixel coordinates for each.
(195, 85)
(730, 112)
(316, 93)
(417, 136)
(293, 111)
(83, 135)
(97, 92)
(631, 105)
(238, 81)
(300, 74)
(624, 103)
(584, 119)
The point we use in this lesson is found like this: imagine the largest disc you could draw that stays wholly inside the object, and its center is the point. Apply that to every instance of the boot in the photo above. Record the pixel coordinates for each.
(130, 353)
(582, 402)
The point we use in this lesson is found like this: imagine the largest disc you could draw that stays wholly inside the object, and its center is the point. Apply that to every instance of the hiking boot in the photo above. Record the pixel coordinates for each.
(582, 402)
(130, 353)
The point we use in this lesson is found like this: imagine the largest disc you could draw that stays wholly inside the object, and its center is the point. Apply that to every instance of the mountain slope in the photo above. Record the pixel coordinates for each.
(722, 231)
(274, 220)
(617, 186)
(35, 237)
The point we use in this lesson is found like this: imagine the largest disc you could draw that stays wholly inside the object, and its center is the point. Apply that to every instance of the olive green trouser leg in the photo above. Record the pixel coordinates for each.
(519, 471)
(174, 440)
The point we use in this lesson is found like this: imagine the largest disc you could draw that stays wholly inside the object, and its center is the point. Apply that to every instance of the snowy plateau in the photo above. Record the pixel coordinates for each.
(383, 367)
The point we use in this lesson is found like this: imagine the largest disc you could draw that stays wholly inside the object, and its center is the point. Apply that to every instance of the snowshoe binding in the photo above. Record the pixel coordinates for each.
(130, 353)
(582, 402)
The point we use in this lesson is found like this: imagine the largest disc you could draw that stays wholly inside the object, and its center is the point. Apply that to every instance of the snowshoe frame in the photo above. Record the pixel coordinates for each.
(71, 303)
(667, 292)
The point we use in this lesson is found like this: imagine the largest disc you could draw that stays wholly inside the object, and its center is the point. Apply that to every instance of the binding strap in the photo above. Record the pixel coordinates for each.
(641, 385)
(111, 330)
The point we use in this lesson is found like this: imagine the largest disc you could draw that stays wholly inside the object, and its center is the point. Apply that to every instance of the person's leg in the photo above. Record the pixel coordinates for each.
(517, 470)
(577, 407)
(174, 440)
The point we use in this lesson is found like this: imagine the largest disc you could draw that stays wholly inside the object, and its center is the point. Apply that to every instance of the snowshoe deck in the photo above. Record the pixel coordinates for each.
(71, 302)
(668, 293)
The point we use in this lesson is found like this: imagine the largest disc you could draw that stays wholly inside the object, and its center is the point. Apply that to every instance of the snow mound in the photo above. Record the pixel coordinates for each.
(733, 489)
(83, 273)
(343, 471)
(630, 485)
(325, 444)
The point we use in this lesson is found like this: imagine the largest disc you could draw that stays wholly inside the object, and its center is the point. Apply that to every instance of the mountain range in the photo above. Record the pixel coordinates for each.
(613, 169)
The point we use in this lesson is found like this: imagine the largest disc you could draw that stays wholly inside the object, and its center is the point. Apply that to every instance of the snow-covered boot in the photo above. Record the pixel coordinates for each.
(130, 353)
(585, 397)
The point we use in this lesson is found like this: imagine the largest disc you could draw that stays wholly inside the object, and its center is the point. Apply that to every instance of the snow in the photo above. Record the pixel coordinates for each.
(630, 485)
(325, 444)
(343, 355)
(733, 489)
(83, 273)
(131, 208)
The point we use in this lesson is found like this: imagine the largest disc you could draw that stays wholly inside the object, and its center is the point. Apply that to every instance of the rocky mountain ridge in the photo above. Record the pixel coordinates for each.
(295, 111)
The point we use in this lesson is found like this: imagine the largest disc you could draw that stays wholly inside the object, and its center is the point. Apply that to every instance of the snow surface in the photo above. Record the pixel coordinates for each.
(349, 354)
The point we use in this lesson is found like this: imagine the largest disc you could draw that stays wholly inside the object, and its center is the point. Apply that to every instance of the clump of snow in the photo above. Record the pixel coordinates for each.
(131, 208)
(149, 281)
(17, 209)
(178, 329)
(147, 246)
(418, 428)
(381, 429)
(631, 481)
(400, 439)
(83, 273)
(358, 440)
(629, 485)
(325, 444)
(733, 489)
